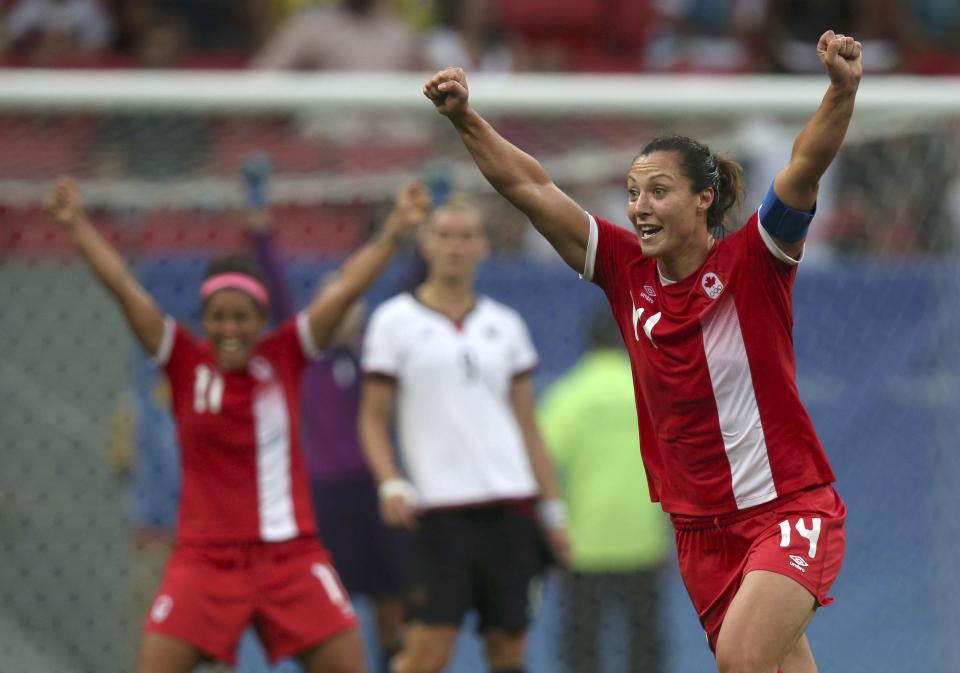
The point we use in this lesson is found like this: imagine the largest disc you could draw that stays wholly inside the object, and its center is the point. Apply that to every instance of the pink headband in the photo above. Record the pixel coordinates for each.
(234, 281)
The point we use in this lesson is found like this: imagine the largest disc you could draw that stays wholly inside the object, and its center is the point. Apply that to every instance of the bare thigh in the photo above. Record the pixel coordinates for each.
(764, 625)
(427, 648)
(504, 649)
(343, 653)
(160, 653)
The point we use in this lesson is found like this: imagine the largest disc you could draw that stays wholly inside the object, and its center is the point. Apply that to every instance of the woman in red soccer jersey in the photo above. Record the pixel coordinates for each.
(728, 447)
(246, 548)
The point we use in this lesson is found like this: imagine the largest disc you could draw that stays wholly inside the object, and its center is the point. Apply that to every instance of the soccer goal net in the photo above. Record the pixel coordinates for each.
(89, 478)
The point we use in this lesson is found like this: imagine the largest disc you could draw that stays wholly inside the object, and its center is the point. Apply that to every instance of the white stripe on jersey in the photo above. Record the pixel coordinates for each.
(274, 489)
(309, 346)
(166, 341)
(591, 257)
(736, 401)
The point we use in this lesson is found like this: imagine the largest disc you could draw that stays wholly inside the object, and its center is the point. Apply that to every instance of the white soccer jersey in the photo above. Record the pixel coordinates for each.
(459, 437)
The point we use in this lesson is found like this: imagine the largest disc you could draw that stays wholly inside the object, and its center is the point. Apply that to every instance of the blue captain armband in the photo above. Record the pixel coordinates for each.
(783, 222)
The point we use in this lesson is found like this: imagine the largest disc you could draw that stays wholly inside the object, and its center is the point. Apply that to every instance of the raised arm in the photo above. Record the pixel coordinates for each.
(143, 316)
(410, 209)
(515, 174)
(819, 141)
(552, 511)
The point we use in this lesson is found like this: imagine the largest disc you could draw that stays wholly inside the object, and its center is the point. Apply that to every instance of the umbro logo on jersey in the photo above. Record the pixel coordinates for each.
(798, 562)
(711, 284)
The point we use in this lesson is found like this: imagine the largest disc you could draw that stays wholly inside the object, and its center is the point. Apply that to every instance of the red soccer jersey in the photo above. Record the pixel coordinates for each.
(243, 473)
(722, 427)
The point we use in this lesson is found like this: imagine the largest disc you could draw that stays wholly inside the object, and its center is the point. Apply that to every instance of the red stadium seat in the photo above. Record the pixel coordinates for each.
(235, 140)
(41, 147)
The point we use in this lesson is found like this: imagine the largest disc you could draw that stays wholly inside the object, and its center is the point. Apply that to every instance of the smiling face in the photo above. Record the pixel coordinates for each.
(453, 243)
(233, 322)
(669, 217)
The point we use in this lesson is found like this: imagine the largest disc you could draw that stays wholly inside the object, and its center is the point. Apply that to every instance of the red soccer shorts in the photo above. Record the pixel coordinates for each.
(289, 591)
(801, 537)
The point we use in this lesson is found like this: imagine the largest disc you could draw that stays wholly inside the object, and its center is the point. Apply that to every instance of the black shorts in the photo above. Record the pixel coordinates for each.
(477, 557)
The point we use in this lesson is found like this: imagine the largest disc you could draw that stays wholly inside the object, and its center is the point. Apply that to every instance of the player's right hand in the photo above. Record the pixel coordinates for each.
(411, 207)
(448, 92)
(398, 512)
(63, 203)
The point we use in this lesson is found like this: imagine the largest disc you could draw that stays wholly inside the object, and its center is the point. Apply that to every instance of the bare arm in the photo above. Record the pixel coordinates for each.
(364, 266)
(376, 409)
(524, 407)
(143, 316)
(818, 142)
(515, 174)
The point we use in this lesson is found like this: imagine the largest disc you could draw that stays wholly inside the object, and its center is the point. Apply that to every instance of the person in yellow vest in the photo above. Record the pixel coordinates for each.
(620, 539)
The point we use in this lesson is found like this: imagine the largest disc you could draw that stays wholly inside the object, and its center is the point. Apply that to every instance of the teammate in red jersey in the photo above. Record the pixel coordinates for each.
(246, 549)
(728, 448)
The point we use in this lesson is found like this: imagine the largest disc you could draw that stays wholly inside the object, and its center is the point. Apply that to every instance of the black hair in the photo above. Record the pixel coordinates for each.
(237, 263)
(704, 169)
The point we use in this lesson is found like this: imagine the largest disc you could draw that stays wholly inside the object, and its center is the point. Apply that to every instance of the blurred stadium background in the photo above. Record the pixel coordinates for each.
(155, 107)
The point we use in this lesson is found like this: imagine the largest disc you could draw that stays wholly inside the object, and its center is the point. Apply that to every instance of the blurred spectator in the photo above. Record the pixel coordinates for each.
(576, 35)
(933, 36)
(468, 36)
(706, 36)
(192, 33)
(216, 25)
(46, 31)
(153, 38)
(791, 25)
(353, 35)
(620, 538)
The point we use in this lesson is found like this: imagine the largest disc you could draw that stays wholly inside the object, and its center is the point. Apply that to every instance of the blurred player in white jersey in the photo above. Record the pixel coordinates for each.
(246, 550)
(728, 447)
(456, 367)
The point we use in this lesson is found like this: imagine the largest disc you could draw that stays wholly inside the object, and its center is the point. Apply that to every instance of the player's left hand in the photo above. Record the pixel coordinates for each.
(842, 58)
(560, 543)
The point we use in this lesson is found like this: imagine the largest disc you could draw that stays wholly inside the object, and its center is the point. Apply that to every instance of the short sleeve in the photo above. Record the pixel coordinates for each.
(309, 347)
(164, 351)
(380, 354)
(292, 342)
(608, 248)
(177, 352)
(523, 354)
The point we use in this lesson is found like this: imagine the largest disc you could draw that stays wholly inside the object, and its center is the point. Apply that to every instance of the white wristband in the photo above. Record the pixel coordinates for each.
(552, 513)
(401, 487)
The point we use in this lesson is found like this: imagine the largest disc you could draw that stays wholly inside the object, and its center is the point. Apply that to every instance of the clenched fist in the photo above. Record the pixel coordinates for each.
(842, 58)
(448, 92)
(63, 203)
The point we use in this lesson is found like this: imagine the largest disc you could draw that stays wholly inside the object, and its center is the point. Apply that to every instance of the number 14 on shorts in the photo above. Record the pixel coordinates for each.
(811, 534)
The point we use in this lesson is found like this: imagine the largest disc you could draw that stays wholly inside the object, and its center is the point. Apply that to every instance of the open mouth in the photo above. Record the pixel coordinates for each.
(231, 345)
(648, 231)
